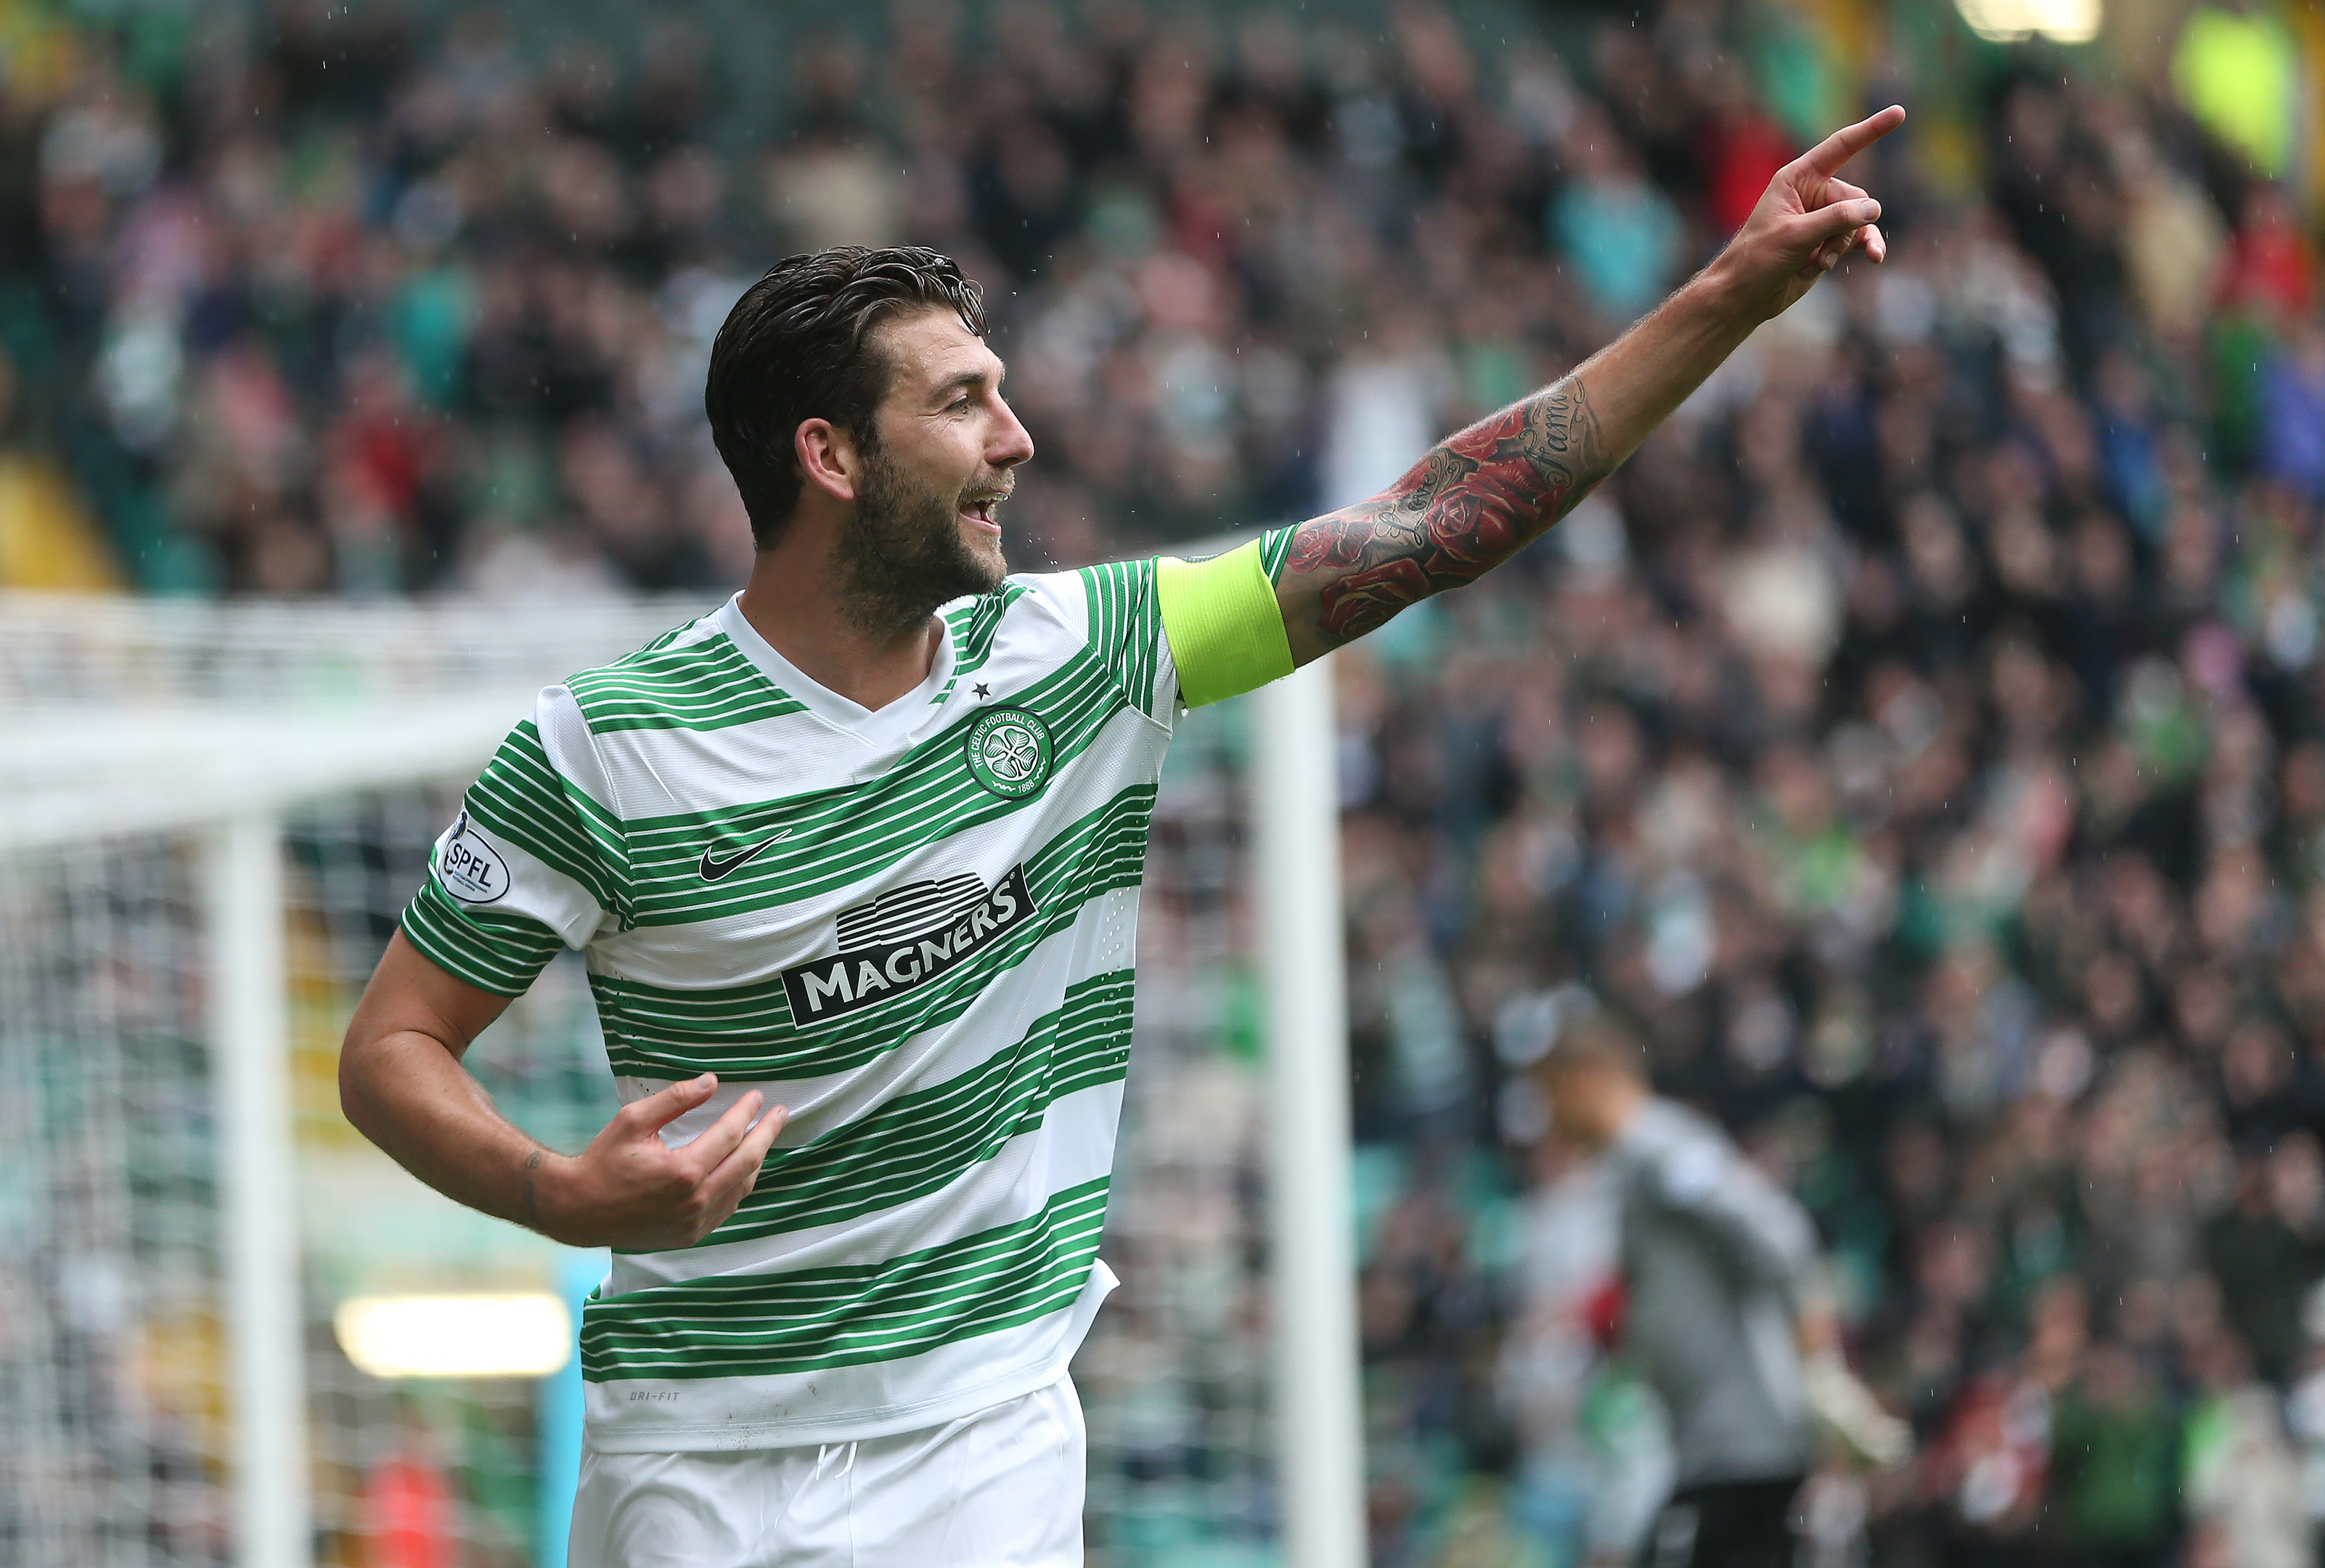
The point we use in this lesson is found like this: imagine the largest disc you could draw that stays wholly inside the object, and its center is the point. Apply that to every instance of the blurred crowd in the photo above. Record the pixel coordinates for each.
(1919, 740)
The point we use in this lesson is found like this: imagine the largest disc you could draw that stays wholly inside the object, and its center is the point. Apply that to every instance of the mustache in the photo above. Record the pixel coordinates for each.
(998, 486)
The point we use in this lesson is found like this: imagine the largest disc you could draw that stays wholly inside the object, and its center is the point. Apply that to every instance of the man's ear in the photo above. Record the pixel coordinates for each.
(827, 458)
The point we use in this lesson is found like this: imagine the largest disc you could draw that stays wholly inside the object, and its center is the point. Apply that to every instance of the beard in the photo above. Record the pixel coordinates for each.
(903, 553)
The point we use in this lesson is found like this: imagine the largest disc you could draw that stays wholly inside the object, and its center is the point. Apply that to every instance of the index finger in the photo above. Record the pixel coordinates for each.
(667, 1104)
(1828, 155)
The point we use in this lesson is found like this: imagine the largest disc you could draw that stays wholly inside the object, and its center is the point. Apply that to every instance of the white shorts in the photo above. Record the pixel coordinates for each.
(1000, 1488)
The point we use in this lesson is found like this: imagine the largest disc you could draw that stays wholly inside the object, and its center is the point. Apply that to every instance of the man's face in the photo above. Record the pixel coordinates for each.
(1577, 1092)
(925, 530)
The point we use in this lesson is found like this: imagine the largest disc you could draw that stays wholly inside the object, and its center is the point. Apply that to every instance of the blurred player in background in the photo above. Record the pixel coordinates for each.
(853, 860)
(1719, 1301)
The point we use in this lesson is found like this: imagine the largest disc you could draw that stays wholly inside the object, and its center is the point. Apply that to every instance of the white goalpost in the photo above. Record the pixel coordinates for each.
(1295, 797)
(250, 1046)
(208, 815)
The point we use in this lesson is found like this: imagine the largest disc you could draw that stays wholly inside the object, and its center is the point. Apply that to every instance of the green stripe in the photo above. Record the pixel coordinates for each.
(807, 1320)
(973, 628)
(920, 1141)
(492, 949)
(1275, 550)
(1125, 626)
(747, 1031)
(522, 798)
(711, 684)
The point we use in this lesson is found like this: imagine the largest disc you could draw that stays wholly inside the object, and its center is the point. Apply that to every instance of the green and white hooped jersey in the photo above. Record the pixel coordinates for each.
(912, 926)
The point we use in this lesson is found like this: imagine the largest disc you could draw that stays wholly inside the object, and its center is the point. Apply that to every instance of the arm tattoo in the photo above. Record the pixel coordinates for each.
(1477, 499)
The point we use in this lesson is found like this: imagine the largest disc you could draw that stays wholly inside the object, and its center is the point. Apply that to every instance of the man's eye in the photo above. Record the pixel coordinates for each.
(960, 403)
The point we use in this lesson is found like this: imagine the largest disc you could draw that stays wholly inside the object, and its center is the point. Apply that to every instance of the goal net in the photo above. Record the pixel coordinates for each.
(210, 817)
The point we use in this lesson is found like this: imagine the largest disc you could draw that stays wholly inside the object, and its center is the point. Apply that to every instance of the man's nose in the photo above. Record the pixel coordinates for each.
(1011, 445)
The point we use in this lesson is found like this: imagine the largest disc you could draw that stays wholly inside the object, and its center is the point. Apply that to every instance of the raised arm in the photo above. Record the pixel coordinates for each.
(1479, 496)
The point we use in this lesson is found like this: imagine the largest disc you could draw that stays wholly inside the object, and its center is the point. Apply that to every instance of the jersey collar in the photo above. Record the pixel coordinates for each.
(873, 726)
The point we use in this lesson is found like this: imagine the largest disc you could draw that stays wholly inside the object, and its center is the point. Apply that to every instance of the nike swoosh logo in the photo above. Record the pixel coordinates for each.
(713, 869)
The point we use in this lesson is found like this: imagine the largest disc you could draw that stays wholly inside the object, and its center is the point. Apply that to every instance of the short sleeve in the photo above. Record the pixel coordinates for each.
(530, 864)
(1125, 632)
(1275, 550)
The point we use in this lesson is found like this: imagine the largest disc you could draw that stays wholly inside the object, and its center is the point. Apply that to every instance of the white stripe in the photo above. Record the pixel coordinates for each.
(843, 1404)
(1073, 1145)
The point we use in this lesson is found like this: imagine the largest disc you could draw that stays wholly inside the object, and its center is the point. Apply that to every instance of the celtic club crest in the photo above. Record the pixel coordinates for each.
(1009, 752)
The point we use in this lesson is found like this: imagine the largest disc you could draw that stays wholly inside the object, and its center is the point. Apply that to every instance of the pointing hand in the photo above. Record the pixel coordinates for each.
(1808, 218)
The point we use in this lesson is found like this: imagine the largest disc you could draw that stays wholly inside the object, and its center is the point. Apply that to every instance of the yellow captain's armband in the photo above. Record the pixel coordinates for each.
(1225, 628)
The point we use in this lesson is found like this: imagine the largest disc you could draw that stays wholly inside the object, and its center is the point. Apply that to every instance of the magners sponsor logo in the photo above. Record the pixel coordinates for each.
(905, 938)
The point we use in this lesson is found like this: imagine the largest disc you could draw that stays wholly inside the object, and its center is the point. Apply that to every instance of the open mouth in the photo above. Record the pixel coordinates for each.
(977, 511)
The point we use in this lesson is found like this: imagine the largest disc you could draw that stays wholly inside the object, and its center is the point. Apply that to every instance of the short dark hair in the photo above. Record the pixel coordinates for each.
(1599, 1037)
(793, 348)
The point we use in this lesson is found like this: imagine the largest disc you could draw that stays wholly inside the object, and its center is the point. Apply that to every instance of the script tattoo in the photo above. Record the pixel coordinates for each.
(531, 1198)
(1474, 500)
